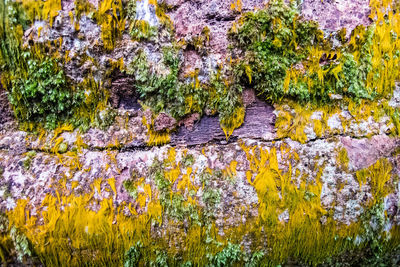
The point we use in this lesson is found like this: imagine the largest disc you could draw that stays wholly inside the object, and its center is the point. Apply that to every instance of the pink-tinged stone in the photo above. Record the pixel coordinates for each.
(337, 14)
(190, 120)
(365, 152)
(192, 62)
(164, 122)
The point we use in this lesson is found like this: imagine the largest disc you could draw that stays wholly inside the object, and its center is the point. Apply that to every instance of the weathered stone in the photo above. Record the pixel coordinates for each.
(190, 120)
(122, 152)
(337, 14)
(163, 121)
(365, 152)
(248, 97)
(123, 92)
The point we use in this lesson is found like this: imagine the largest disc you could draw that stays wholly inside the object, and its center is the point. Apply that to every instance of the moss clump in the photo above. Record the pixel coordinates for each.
(111, 18)
(188, 160)
(287, 57)
(274, 40)
(38, 89)
(42, 93)
(132, 256)
(164, 92)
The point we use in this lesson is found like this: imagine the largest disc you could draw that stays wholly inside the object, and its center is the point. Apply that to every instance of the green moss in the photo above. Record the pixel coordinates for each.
(21, 244)
(130, 188)
(165, 92)
(27, 162)
(285, 56)
(110, 15)
(188, 160)
(42, 94)
(230, 255)
(133, 255)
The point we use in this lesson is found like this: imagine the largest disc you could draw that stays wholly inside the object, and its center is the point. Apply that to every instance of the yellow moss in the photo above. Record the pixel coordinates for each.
(163, 17)
(236, 5)
(117, 64)
(318, 128)
(42, 10)
(185, 182)
(278, 191)
(111, 23)
(384, 47)
(248, 72)
(342, 159)
(155, 138)
(293, 117)
(79, 143)
(70, 160)
(378, 176)
(291, 124)
(232, 168)
(71, 229)
(63, 128)
(96, 99)
(56, 146)
(233, 122)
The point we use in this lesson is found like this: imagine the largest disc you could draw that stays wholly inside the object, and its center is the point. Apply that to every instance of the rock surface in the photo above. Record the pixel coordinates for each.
(35, 165)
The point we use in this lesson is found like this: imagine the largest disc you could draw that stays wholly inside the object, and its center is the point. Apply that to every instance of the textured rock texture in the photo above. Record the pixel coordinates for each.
(337, 14)
(344, 161)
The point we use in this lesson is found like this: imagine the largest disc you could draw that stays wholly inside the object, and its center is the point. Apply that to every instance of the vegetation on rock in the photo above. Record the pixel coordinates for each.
(72, 228)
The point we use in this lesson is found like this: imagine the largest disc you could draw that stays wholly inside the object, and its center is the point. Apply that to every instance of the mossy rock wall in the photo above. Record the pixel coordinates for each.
(199, 133)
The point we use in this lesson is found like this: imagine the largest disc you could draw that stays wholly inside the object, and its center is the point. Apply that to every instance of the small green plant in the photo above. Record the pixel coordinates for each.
(230, 255)
(188, 160)
(21, 244)
(132, 256)
(161, 259)
(42, 93)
